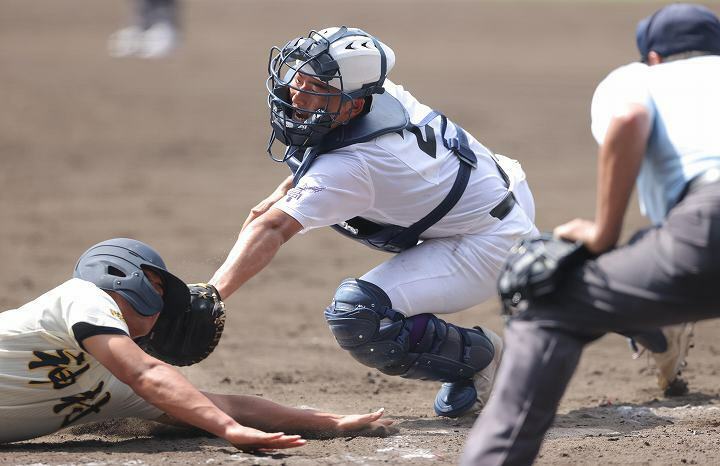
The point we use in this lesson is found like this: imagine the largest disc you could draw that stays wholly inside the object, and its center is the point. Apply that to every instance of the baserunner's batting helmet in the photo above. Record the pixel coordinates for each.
(118, 265)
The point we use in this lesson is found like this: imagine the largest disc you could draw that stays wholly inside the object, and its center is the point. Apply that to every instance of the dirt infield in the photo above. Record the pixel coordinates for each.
(172, 152)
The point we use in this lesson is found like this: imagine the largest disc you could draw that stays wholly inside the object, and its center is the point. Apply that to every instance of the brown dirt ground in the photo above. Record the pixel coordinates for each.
(172, 152)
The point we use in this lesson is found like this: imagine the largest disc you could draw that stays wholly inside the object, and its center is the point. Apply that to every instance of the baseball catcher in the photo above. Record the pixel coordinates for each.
(371, 161)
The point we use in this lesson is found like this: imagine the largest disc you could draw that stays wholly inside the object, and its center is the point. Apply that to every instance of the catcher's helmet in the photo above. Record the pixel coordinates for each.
(352, 62)
(118, 265)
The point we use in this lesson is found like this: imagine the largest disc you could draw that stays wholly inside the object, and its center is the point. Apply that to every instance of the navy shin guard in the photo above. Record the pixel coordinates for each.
(364, 323)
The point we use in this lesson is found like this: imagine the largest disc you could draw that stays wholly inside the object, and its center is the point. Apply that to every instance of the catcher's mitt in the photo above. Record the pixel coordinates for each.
(535, 268)
(188, 337)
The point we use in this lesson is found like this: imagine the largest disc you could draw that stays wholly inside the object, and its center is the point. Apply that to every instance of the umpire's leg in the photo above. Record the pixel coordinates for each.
(667, 276)
(537, 366)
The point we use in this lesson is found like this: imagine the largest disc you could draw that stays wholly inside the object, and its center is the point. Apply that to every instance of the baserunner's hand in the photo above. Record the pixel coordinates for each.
(249, 439)
(370, 423)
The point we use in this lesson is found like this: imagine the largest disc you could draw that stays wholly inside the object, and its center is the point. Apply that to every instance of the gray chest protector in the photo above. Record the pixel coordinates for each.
(387, 115)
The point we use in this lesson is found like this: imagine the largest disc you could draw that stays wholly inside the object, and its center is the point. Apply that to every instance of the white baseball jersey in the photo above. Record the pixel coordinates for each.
(47, 379)
(683, 100)
(398, 178)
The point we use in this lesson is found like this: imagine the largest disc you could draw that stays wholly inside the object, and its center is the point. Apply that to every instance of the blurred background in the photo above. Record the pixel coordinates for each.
(172, 150)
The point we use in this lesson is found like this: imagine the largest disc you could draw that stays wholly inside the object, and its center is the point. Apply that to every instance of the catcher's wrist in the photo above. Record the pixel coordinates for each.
(212, 287)
(214, 290)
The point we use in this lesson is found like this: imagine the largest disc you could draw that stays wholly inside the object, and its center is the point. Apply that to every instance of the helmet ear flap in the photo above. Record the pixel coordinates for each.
(140, 293)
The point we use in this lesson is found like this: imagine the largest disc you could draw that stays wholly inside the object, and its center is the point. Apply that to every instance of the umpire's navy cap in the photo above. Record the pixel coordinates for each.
(678, 28)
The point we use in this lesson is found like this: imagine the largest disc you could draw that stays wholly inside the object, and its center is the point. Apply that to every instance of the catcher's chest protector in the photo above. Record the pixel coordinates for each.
(388, 115)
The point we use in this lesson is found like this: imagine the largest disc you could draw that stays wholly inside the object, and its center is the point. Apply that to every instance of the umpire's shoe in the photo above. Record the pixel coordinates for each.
(671, 361)
(469, 397)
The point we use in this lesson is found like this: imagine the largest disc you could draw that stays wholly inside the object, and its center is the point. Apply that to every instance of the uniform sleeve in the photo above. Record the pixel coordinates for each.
(626, 85)
(336, 188)
(91, 312)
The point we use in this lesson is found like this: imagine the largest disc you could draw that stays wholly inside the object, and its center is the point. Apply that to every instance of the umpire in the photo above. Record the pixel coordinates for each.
(657, 122)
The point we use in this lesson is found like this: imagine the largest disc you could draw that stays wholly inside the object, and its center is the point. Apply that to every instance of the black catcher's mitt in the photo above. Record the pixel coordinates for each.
(535, 268)
(186, 338)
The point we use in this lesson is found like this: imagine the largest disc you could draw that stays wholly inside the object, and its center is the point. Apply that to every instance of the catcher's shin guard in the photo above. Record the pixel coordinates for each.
(441, 351)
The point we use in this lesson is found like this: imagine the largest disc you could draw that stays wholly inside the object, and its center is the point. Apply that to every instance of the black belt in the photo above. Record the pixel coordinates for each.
(501, 210)
(707, 177)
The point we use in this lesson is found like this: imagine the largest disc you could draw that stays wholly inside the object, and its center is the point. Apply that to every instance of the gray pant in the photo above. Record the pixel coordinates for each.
(666, 275)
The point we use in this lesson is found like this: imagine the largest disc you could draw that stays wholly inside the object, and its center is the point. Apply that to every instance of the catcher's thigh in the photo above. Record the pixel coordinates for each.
(443, 275)
(446, 275)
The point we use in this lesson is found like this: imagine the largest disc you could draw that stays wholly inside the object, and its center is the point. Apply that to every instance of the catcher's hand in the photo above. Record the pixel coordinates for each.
(188, 337)
(535, 268)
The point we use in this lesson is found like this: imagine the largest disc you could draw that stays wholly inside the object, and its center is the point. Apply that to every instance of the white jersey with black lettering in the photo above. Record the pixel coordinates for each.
(397, 179)
(47, 379)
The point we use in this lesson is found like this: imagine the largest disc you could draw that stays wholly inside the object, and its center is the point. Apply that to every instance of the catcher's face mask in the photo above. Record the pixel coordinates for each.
(307, 91)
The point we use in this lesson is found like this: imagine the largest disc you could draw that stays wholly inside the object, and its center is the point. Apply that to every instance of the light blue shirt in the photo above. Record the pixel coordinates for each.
(683, 98)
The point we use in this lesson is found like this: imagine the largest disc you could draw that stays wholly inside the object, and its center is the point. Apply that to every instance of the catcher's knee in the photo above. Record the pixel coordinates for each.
(364, 323)
(356, 312)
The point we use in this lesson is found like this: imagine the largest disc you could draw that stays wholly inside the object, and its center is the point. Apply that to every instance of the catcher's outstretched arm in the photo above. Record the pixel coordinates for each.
(255, 247)
(269, 201)
(163, 386)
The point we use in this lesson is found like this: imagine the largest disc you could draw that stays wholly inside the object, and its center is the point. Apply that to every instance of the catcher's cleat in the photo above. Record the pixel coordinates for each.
(671, 361)
(485, 379)
(456, 399)
(469, 396)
